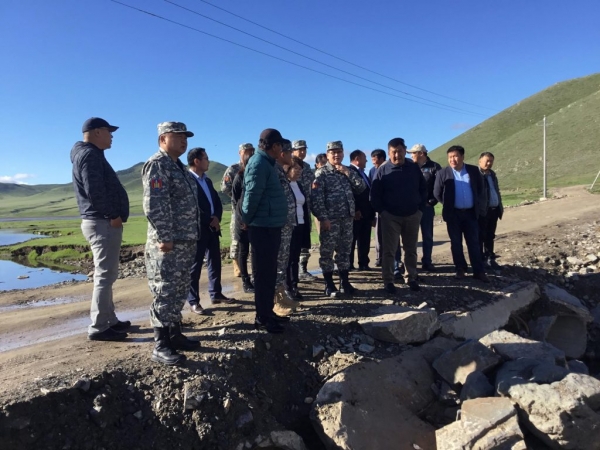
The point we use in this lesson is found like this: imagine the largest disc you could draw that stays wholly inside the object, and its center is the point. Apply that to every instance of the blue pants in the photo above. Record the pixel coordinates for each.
(427, 233)
(459, 224)
(209, 248)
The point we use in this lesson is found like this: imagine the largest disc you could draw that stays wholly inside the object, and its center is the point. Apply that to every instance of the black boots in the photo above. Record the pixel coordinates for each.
(179, 341)
(330, 289)
(164, 352)
(303, 273)
(345, 287)
(247, 285)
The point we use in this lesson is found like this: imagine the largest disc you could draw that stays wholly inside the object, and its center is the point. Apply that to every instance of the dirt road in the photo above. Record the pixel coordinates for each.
(43, 331)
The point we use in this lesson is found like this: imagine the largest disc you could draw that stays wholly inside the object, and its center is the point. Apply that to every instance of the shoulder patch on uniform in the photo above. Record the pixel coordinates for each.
(156, 183)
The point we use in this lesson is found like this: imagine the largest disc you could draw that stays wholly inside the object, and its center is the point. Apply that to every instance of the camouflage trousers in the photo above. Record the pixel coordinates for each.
(233, 247)
(339, 240)
(283, 257)
(169, 280)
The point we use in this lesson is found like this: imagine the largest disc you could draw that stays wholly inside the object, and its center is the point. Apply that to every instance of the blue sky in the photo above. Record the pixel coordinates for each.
(67, 60)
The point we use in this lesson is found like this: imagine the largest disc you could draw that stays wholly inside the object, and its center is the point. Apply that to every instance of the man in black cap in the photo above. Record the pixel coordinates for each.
(264, 211)
(104, 207)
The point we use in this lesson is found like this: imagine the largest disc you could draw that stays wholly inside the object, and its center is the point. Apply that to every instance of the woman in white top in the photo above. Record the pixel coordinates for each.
(291, 280)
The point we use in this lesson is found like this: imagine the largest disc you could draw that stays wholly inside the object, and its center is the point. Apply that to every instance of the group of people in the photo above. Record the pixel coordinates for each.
(273, 194)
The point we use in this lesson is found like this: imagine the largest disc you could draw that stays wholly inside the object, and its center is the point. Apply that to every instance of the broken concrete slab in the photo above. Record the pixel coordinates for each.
(527, 370)
(375, 404)
(491, 316)
(512, 346)
(455, 365)
(400, 325)
(569, 303)
(567, 333)
(485, 424)
(476, 385)
(564, 414)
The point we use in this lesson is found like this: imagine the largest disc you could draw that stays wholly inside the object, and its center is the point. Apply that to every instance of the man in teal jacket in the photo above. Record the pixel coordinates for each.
(264, 211)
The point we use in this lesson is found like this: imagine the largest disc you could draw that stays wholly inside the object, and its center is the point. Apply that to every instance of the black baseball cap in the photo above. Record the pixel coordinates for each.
(269, 137)
(96, 122)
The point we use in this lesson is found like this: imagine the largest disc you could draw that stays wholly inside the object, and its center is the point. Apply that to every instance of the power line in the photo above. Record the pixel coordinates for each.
(342, 59)
(450, 108)
(315, 60)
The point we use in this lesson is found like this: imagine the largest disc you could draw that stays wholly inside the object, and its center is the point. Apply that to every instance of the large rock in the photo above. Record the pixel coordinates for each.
(476, 385)
(512, 346)
(485, 424)
(561, 298)
(567, 333)
(401, 325)
(527, 370)
(457, 364)
(492, 315)
(374, 405)
(564, 414)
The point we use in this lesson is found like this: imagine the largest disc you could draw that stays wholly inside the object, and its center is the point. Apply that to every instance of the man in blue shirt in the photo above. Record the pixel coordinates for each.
(209, 245)
(459, 187)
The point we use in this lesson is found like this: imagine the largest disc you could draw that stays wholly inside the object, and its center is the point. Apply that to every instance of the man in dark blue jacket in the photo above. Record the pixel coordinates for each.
(104, 207)
(264, 211)
(209, 244)
(459, 187)
(364, 217)
(398, 194)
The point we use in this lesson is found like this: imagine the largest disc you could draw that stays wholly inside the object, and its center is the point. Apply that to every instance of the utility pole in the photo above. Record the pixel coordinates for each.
(545, 187)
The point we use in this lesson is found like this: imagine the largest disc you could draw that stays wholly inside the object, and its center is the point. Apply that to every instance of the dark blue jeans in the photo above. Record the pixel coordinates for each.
(209, 248)
(265, 243)
(459, 224)
(427, 233)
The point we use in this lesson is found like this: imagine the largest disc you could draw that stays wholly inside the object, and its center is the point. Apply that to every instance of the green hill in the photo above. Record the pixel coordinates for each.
(48, 200)
(514, 136)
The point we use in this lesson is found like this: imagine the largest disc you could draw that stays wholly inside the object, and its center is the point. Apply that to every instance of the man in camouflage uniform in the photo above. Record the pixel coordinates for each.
(332, 198)
(285, 305)
(171, 207)
(226, 185)
(306, 179)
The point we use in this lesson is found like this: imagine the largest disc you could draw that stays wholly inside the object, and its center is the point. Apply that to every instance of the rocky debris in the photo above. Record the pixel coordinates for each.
(375, 405)
(476, 385)
(283, 440)
(401, 325)
(563, 414)
(576, 366)
(567, 333)
(560, 297)
(511, 346)
(455, 365)
(485, 424)
(491, 315)
(527, 370)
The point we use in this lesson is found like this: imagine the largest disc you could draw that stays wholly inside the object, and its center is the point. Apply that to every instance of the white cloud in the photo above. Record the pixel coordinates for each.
(16, 178)
(310, 159)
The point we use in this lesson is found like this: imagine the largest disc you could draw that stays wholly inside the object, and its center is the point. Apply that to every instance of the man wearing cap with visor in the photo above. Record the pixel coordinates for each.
(299, 150)
(429, 169)
(226, 188)
(104, 207)
(171, 207)
(332, 198)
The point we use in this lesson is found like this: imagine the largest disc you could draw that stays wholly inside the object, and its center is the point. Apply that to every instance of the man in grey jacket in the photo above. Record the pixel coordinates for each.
(104, 207)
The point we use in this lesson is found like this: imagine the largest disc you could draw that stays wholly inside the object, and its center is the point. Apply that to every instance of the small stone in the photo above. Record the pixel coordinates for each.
(366, 348)
(268, 345)
(222, 331)
(309, 400)
(227, 405)
(138, 415)
(317, 351)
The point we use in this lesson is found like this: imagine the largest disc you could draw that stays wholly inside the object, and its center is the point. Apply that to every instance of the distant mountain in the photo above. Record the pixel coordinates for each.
(48, 200)
(514, 136)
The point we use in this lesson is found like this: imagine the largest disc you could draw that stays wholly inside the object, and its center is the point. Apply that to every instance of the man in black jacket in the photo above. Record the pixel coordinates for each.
(459, 187)
(429, 168)
(398, 194)
(209, 245)
(104, 207)
(493, 210)
(364, 215)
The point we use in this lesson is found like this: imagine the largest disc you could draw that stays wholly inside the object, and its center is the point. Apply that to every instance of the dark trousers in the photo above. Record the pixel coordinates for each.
(296, 246)
(361, 240)
(243, 252)
(487, 232)
(459, 224)
(208, 246)
(265, 243)
(379, 245)
(427, 233)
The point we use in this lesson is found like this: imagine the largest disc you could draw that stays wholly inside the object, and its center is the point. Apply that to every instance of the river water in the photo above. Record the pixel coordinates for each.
(18, 276)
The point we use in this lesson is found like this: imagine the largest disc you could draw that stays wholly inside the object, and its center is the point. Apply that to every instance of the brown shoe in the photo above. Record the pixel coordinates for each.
(282, 311)
(197, 309)
(460, 274)
(236, 269)
(481, 277)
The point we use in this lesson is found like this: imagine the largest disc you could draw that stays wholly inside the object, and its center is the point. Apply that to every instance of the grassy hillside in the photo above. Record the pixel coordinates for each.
(514, 136)
(59, 199)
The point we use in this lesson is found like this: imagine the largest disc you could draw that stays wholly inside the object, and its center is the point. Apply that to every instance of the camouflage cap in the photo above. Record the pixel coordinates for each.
(300, 143)
(417, 148)
(286, 145)
(335, 144)
(246, 146)
(173, 127)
